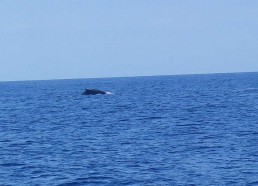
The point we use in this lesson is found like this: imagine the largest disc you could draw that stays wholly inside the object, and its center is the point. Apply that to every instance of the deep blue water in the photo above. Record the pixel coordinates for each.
(167, 130)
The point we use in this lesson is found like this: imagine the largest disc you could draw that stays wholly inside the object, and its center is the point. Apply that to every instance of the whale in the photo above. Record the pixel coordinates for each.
(93, 92)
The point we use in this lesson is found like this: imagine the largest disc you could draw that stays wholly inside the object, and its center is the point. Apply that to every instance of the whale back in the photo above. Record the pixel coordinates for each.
(93, 92)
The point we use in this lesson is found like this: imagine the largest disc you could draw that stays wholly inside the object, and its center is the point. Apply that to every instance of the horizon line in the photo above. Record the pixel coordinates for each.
(137, 76)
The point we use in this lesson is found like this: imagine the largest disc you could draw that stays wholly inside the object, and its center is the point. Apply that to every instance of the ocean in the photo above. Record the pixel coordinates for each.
(160, 130)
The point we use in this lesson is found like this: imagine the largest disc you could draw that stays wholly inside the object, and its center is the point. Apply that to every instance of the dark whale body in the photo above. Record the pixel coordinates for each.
(93, 92)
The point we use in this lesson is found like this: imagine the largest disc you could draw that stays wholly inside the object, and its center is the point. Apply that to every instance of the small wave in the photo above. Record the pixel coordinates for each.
(253, 183)
(11, 164)
(95, 180)
(249, 90)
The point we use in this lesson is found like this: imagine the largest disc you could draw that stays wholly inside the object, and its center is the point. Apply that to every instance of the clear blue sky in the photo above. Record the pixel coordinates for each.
(60, 39)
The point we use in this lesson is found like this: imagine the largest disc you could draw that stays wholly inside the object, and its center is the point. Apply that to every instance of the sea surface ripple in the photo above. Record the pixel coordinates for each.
(166, 130)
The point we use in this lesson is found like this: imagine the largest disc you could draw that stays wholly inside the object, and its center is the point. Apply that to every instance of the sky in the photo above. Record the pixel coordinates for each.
(66, 39)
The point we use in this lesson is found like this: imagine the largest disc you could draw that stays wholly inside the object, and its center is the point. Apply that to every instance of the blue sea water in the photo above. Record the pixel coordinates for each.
(167, 130)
